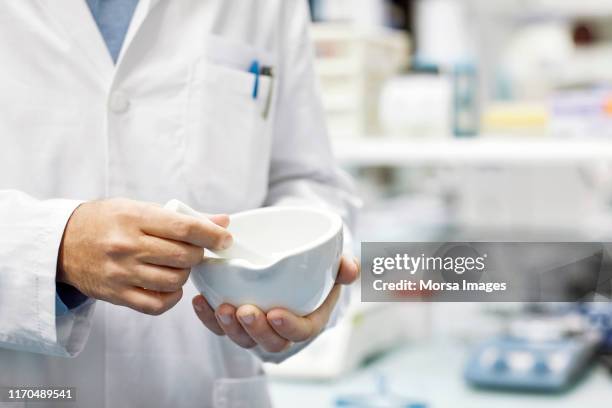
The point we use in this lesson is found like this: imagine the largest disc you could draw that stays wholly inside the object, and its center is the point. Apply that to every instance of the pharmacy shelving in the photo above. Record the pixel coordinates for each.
(387, 151)
(546, 9)
(569, 9)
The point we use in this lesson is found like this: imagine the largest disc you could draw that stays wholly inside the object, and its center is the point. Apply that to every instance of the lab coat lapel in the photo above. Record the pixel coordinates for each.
(143, 8)
(75, 18)
(151, 3)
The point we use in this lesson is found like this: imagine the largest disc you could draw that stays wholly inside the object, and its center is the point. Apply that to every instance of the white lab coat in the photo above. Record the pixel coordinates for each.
(173, 119)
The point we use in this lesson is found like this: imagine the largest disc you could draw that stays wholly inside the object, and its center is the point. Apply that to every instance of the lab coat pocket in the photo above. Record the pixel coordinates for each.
(241, 393)
(228, 141)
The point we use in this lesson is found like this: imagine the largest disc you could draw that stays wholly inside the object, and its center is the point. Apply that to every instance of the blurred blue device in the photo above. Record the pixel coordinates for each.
(383, 398)
(515, 363)
(599, 316)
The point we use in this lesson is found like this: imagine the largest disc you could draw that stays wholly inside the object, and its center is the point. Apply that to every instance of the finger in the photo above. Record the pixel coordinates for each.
(226, 317)
(298, 329)
(256, 324)
(150, 302)
(158, 278)
(201, 232)
(164, 252)
(320, 317)
(348, 272)
(206, 315)
(222, 220)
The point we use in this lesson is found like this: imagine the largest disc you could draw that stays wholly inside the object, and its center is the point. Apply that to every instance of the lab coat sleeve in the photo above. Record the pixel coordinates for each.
(30, 235)
(303, 170)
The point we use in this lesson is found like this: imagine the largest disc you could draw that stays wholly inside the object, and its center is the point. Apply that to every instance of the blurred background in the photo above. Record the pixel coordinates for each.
(466, 120)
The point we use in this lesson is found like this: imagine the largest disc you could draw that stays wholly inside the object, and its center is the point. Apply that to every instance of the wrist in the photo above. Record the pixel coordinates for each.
(70, 296)
(60, 272)
(62, 269)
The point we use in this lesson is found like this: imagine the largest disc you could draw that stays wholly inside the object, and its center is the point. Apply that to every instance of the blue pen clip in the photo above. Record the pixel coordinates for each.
(255, 71)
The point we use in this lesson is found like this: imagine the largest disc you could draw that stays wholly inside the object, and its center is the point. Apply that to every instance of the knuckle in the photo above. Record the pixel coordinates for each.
(159, 304)
(118, 245)
(155, 307)
(148, 310)
(184, 228)
(194, 257)
(175, 281)
(183, 275)
(114, 273)
(159, 310)
(181, 257)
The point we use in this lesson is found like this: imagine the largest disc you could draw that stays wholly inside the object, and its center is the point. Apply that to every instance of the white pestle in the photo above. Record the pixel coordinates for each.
(236, 251)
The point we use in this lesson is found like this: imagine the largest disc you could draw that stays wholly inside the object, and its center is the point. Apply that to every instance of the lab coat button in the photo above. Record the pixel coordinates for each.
(119, 102)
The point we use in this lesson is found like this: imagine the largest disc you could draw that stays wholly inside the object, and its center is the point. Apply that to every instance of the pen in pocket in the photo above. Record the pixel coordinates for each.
(255, 71)
(268, 72)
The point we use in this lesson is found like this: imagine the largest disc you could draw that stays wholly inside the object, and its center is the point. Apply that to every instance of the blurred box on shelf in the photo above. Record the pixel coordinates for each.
(353, 64)
(417, 105)
(432, 102)
(516, 118)
(583, 113)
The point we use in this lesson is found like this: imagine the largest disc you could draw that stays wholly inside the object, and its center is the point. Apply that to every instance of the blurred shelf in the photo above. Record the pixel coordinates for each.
(340, 67)
(381, 151)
